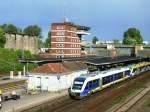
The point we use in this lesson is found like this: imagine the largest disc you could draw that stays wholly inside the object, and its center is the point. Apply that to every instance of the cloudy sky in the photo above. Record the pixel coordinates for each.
(108, 19)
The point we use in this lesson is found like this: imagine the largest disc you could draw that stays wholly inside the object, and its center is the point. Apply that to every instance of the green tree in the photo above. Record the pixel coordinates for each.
(33, 30)
(94, 40)
(132, 37)
(4, 27)
(2, 38)
(10, 28)
(48, 40)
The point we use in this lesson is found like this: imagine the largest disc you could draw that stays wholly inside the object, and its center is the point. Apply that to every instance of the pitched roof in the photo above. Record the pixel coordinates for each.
(56, 68)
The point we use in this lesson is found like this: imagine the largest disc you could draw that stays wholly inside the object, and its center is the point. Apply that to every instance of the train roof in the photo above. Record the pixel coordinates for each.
(99, 74)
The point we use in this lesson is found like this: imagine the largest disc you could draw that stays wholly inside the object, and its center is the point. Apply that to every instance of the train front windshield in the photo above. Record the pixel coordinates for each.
(78, 83)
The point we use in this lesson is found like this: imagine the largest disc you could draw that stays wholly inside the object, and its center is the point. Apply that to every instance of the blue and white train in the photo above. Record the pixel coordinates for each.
(87, 84)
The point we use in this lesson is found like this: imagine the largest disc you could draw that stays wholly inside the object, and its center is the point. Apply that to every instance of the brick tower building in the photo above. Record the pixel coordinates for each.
(66, 39)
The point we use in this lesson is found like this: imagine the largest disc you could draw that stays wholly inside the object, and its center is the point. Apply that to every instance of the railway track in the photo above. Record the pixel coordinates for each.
(12, 86)
(132, 101)
(98, 102)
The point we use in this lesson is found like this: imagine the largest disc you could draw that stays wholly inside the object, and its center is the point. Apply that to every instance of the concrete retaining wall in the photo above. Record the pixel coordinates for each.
(23, 42)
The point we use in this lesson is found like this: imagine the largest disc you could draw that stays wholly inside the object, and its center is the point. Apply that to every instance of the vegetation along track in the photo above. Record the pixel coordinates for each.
(132, 101)
(98, 102)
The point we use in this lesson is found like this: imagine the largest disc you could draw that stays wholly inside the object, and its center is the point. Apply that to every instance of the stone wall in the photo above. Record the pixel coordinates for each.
(23, 42)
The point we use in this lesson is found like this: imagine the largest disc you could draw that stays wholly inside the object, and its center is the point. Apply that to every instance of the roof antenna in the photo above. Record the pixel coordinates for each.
(64, 11)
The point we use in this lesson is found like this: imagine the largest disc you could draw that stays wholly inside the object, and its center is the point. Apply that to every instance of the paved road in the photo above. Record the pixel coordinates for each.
(29, 101)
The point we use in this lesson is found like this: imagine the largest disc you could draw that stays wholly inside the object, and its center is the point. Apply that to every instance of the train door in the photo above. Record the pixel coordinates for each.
(38, 83)
(86, 90)
(100, 82)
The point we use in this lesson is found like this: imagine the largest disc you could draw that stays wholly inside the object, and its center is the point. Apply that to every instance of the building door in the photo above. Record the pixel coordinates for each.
(46, 84)
(39, 84)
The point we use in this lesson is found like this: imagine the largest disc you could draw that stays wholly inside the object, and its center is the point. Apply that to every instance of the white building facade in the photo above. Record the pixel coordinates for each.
(52, 82)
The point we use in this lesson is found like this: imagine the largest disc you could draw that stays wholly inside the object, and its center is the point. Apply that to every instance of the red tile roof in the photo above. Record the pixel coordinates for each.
(60, 67)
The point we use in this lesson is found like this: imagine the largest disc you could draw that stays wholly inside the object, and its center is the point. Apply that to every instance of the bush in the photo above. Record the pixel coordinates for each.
(9, 60)
(2, 38)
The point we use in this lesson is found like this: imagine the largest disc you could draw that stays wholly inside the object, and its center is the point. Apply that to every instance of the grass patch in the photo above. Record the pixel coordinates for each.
(147, 103)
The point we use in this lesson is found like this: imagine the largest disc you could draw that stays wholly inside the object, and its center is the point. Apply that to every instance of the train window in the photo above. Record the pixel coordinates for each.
(95, 82)
(90, 84)
(111, 78)
(104, 80)
(87, 86)
(108, 79)
(77, 86)
(78, 82)
(127, 72)
(120, 75)
(116, 76)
